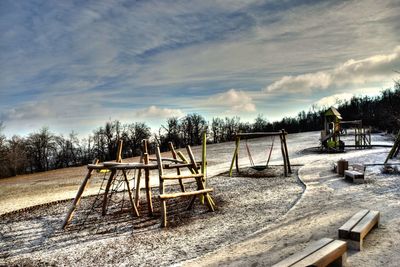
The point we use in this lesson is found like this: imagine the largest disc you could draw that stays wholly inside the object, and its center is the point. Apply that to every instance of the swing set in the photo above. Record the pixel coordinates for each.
(260, 167)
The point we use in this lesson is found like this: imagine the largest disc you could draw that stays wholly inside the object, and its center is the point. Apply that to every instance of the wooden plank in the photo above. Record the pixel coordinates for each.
(344, 230)
(186, 194)
(182, 176)
(365, 225)
(289, 261)
(325, 255)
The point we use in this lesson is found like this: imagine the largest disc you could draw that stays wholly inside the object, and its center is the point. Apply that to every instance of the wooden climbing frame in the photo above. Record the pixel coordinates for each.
(282, 137)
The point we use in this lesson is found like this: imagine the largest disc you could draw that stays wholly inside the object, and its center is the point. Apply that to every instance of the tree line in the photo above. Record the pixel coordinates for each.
(44, 150)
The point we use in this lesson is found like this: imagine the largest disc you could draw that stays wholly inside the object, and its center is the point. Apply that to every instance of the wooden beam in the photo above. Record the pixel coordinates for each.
(178, 170)
(186, 194)
(118, 158)
(200, 184)
(109, 182)
(283, 156)
(147, 182)
(134, 208)
(77, 199)
(204, 158)
(235, 153)
(137, 195)
(182, 176)
(163, 203)
(286, 151)
(258, 134)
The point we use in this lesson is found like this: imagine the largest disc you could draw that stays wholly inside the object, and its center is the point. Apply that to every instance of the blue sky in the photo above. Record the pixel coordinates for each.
(73, 65)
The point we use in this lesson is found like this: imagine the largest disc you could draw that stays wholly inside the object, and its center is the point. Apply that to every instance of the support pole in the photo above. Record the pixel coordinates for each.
(287, 152)
(137, 195)
(235, 156)
(134, 208)
(283, 156)
(148, 188)
(78, 197)
(109, 182)
(204, 158)
(178, 170)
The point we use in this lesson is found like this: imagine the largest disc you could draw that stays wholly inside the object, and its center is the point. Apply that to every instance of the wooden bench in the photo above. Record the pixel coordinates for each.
(324, 252)
(356, 175)
(355, 229)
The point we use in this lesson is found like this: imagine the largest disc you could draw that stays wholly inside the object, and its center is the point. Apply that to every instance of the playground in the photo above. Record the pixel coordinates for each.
(262, 215)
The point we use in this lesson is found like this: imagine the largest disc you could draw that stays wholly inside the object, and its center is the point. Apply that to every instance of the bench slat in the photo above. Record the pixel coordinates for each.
(325, 255)
(365, 225)
(289, 261)
(344, 231)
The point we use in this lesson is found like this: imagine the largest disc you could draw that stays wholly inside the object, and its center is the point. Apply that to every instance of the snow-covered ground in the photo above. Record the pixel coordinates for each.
(259, 221)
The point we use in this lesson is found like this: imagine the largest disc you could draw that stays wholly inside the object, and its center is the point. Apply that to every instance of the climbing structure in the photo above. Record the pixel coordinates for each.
(285, 155)
(335, 128)
(395, 150)
(117, 181)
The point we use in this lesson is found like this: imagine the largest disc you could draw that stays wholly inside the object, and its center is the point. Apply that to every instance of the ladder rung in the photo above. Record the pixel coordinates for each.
(185, 194)
(184, 176)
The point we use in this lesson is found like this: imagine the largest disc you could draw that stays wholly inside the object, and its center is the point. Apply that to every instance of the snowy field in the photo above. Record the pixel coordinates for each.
(259, 221)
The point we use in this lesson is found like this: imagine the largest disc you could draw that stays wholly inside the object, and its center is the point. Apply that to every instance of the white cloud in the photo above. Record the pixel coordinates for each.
(232, 100)
(333, 100)
(376, 68)
(155, 112)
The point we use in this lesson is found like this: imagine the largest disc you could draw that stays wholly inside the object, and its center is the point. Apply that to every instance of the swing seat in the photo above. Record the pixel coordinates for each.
(259, 167)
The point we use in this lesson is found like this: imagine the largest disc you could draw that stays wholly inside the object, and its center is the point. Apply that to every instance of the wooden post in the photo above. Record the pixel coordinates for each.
(185, 160)
(178, 170)
(200, 184)
(287, 152)
(134, 208)
(118, 158)
(283, 156)
(204, 158)
(78, 196)
(235, 156)
(148, 188)
(163, 203)
(137, 196)
(109, 182)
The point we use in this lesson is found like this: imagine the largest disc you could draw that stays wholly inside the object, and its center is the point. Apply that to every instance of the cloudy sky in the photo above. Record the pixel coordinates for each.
(73, 65)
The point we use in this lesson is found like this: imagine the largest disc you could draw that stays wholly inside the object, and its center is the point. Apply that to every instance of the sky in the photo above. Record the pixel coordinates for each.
(73, 65)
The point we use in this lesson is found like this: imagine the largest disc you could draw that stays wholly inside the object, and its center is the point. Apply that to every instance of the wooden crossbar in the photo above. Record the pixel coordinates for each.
(182, 176)
(259, 134)
(186, 194)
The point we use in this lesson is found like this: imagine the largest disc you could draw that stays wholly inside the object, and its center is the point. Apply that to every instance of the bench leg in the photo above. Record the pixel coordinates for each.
(341, 261)
(355, 245)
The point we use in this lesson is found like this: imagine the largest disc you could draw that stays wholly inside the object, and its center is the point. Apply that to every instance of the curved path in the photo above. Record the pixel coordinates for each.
(326, 204)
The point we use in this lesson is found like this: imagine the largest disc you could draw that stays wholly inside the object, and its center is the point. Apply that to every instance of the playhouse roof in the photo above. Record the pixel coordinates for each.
(333, 112)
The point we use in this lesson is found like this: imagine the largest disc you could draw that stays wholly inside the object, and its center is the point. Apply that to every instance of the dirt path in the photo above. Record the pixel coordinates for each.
(325, 205)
